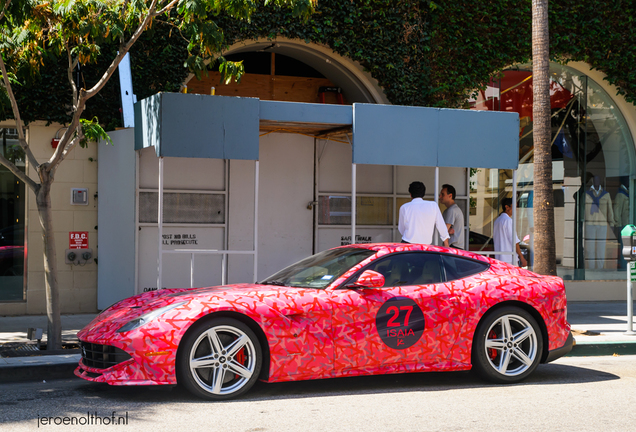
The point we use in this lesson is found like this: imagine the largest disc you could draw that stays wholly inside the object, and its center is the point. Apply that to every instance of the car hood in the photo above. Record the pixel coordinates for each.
(255, 300)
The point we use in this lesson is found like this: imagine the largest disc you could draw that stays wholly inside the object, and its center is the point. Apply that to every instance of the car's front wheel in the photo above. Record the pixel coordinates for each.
(220, 358)
(507, 346)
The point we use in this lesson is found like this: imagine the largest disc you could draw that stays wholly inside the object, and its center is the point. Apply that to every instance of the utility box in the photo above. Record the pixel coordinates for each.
(628, 235)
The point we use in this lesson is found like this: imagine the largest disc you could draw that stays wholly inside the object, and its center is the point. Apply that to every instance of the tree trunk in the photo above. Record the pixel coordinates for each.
(544, 241)
(43, 199)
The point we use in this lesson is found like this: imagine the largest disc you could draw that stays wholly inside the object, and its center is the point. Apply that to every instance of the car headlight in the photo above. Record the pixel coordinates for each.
(147, 317)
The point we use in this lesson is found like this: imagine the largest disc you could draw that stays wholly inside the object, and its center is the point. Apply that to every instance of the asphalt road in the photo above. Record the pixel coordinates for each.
(571, 394)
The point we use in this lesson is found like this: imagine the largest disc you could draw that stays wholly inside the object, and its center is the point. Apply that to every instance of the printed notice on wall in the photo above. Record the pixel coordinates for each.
(346, 240)
(180, 240)
(78, 240)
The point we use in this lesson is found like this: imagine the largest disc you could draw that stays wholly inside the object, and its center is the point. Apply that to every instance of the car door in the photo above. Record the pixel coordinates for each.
(408, 324)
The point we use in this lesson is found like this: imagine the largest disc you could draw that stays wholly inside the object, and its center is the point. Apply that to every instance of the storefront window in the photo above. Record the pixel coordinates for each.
(593, 172)
(12, 223)
(336, 210)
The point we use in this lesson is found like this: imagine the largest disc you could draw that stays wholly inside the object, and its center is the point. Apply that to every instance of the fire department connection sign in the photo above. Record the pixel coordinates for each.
(78, 240)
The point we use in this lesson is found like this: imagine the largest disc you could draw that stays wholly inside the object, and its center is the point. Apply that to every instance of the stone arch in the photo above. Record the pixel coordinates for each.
(356, 84)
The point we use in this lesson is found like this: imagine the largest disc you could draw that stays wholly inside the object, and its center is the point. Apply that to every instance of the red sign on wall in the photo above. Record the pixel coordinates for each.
(78, 240)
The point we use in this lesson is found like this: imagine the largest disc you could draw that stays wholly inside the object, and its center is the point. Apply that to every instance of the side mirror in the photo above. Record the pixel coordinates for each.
(368, 279)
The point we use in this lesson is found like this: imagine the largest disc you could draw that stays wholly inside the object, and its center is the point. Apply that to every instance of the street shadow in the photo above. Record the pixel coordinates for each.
(31, 401)
(549, 374)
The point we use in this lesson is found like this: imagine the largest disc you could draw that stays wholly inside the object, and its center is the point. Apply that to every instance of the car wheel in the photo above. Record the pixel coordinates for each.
(507, 346)
(219, 359)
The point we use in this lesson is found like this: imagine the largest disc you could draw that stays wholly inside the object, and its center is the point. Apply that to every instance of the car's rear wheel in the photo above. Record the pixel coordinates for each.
(507, 346)
(219, 359)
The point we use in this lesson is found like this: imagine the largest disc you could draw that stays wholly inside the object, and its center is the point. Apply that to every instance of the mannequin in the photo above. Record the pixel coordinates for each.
(598, 216)
(621, 216)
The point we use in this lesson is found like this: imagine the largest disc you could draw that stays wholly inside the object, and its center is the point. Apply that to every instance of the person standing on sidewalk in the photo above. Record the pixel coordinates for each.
(453, 216)
(418, 218)
(502, 235)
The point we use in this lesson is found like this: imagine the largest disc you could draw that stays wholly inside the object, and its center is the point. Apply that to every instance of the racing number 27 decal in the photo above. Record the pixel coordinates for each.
(400, 323)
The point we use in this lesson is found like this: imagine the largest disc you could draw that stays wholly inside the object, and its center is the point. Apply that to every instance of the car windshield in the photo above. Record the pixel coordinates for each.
(318, 271)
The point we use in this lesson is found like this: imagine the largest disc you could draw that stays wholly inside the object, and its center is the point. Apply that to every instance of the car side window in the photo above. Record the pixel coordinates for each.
(457, 267)
(417, 268)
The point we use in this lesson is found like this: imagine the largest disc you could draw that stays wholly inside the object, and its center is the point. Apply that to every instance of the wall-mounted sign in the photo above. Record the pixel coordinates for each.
(78, 240)
(346, 240)
(180, 240)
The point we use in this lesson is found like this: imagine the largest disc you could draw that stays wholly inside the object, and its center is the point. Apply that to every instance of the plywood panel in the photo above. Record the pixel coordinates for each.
(266, 87)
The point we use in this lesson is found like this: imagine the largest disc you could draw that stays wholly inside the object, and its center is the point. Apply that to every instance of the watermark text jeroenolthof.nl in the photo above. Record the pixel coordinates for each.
(89, 419)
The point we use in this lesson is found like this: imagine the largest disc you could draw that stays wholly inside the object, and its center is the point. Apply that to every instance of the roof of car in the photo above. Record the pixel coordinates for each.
(405, 247)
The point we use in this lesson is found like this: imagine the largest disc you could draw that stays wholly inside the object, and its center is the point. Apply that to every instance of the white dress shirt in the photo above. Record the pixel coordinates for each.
(418, 220)
(502, 237)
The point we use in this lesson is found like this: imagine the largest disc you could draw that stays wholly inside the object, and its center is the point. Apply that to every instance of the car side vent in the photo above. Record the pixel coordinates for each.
(102, 356)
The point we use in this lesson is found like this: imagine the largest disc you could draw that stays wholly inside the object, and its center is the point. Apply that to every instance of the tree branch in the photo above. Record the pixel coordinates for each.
(71, 145)
(71, 66)
(16, 114)
(62, 149)
(123, 49)
(4, 9)
(168, 7)
(19, 174)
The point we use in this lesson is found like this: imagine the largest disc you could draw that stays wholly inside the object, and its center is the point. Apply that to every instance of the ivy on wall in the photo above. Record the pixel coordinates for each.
(421, 52)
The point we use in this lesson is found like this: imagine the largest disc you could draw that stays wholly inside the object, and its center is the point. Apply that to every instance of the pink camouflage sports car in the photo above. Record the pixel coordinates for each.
(354, 310)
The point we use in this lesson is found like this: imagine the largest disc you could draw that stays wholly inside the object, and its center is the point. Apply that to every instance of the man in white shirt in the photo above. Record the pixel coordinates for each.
(502, 235)
(419, 218)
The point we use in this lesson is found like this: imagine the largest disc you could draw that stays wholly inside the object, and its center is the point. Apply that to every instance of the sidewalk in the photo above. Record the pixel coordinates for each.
(598, 328)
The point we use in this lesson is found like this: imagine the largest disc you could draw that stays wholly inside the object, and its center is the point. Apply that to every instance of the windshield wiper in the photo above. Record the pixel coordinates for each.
(274, 282)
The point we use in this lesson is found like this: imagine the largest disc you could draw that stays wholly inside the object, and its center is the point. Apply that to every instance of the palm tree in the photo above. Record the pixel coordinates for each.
(544, 241)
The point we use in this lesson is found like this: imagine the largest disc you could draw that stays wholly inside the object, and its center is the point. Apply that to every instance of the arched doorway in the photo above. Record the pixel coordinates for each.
(290, 70)
(594, 170)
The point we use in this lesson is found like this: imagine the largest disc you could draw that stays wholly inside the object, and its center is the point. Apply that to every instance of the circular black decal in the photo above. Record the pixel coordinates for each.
(400, 322)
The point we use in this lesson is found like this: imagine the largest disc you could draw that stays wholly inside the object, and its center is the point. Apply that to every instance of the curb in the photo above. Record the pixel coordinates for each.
(603, 348)
(40, 372)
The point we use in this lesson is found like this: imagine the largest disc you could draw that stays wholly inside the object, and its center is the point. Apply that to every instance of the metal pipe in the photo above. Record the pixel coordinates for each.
(256, 183)
(353, 203)
(514, 217)
(223, 269)
(630, 301)
(191, 270)
(436, 195)
(160, 224)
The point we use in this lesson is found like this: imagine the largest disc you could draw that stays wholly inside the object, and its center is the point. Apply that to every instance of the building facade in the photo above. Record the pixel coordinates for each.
(594, 131)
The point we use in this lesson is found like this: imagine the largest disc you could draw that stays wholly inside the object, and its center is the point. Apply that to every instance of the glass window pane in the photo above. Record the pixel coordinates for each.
(336, 210)
(12, 220)
(594, 172)
(191, 208)
(409, 269)
(457, 268)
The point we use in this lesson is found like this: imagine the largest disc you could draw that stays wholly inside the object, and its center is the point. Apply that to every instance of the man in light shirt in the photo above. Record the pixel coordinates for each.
(453, 216)
(502, 235)
(419, 218)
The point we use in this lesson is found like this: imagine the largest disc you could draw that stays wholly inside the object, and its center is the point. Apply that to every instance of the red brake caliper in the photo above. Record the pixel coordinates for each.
(492, 353)
(240, 359)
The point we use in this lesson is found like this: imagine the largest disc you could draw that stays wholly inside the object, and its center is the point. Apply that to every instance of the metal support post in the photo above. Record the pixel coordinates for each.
(353, 203)
(514, 217)
(256, 185)
(160, 224)
(436, 235)
(630, 300)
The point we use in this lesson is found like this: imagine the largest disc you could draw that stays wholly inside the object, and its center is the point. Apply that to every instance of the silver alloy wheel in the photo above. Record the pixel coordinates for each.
(222, 360)
(511, 345)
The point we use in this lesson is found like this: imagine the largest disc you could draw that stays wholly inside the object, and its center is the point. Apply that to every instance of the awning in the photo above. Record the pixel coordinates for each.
(191, 125)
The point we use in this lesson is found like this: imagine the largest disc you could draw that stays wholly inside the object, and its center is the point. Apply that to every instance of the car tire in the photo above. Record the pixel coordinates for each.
(219, 359)
(507, 345)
